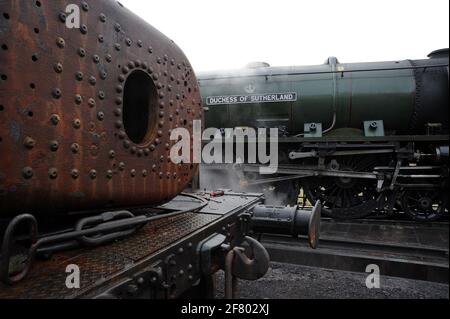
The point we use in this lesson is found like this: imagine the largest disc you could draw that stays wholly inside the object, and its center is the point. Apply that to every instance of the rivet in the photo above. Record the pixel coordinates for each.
(96, 58)
(161, 114)
(139, 43)
(157, 141)
(92, 80)
(27, 172)
(117, 27)
(101, 38)
(150, 70)
(53, 173)
(112, 154)
(101, 116)
(121, 78)
(125, 70)
(58, 67)
(118, 112)
(76, 123)
(158, 60)
(146, 151)
(102, 17)
(75, 174)
(144, 173)
(103, 75)
(150, 50)
(55, 119)
(161, 158)
(91, 102)
(160, 133)
(54, 145)
(133, 150)
(101, 95)
(154, 167)
(56, 93)
(29, 142)
(145, 65)
(119, 124)
(93, 174)
(152, 147)
(109, 174)
(169, 88)
(128, 42)
(133, 173)
(138, 63)
(161, 123)
(121, 166)
(162, 104)
(108, 58)
(140, 153)
(79, 76)
(180, 250)
(122, 135)
(85, 6)
(82, 52)
(83, 29)
(75, 148)
(161, 174)
(78, 99)
(117, 46)
(155, 76)
(126, 144)
(119, 88)
(119, 101)
(62, 17)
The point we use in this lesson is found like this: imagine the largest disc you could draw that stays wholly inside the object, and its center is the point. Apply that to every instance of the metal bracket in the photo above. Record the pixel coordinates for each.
(7, 245)
(373, 128)
(313, 129)
(205, 249)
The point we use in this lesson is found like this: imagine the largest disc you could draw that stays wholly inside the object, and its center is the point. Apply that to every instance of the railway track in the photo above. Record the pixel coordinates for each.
(404, 249)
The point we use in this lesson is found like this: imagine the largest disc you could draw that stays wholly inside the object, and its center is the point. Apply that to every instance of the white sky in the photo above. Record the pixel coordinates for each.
(223, 34)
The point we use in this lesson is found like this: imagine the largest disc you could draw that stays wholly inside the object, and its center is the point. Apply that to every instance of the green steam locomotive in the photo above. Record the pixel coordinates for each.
(360, 137)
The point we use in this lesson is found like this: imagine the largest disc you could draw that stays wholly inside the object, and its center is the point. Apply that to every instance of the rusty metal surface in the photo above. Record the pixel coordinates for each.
(63, 141)
(48, 278)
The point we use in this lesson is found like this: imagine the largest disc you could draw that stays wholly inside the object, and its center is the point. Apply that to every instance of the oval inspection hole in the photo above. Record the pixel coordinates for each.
(139, 110)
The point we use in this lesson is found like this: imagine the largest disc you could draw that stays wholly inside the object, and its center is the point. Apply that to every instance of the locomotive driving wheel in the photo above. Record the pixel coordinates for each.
(345, 197)
(424, 205)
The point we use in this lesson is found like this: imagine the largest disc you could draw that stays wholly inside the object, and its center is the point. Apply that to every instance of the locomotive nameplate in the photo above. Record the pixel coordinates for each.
(252, 98)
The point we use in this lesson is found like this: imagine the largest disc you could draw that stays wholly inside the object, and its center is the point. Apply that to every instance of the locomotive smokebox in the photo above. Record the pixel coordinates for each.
(86, 110)
(291, 221)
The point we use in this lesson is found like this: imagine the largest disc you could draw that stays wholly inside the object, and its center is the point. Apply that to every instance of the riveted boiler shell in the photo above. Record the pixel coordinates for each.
(86, 114)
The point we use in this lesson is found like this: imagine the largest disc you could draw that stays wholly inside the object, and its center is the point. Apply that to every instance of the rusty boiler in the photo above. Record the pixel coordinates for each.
(86, 113)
